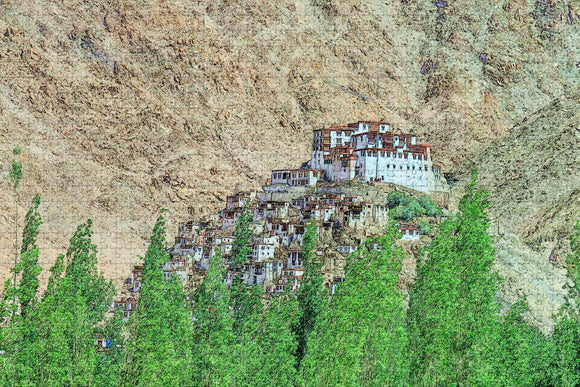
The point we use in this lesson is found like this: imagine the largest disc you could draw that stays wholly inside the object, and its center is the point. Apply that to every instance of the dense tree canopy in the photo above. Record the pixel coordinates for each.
(311, 297)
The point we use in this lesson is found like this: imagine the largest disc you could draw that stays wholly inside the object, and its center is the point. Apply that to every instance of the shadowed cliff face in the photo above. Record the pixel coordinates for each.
(124, 107)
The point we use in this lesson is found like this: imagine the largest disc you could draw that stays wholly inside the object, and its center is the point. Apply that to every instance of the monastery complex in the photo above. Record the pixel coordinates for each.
(367, 151)
(368, 154)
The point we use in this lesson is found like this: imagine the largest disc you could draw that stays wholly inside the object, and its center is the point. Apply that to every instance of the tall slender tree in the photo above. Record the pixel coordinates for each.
(22, 331)
(270, 358)
(311, 296)
(159, 349)
(15, 177)
(109, 362)
(244, 300)
(361, 338)
(8, 303)
(565, 364)
(524, 352)
(61, 350)
(28, 265)
(215, 347)
(453, 316)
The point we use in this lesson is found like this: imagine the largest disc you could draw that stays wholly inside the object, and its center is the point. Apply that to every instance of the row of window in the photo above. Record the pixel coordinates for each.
(287, 175)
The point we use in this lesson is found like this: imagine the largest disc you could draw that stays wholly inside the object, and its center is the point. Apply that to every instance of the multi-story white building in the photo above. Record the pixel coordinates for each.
(262, 252)
(410, 232)
(372, 151)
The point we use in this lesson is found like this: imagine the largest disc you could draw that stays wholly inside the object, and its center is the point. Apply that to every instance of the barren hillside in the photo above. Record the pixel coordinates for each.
(123, 107)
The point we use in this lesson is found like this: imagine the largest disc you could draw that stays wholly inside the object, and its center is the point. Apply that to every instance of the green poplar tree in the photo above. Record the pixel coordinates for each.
(109, 361)
(56, 272)
(361, 338)
(215, 348)
(524, 352)
(15, 177)
(245, 300)
(159, 349)
(28, 265)
(243, 233)
(565, 364)
(453, 316)
(311, 296)
(22, 329)
(8, 304)
(75, 303)
(270, 359)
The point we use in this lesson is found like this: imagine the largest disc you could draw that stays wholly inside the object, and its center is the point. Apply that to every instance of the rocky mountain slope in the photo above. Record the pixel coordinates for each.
(534, 179)
(123, 107)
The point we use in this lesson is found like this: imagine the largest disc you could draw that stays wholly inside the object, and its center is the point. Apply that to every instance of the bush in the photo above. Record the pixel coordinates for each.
(424, 228)
(404, 213)
(395, 198)
(416, 207)
(406, 207)
(429, 207)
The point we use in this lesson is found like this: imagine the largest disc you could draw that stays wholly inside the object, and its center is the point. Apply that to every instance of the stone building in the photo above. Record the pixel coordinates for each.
(296, 177)
(410, 232)
(372, 151)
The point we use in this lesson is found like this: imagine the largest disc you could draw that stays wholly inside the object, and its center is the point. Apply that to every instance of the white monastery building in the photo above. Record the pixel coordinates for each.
(368, 151)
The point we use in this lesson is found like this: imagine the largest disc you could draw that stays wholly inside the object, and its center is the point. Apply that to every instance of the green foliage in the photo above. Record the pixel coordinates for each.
(110, 360)
(453, 317)
(55, 275)
(69, 314)
(269, 359)
(28, 265)
(16, 151)
(573, 262)
(32, 222)
(245, 304)
(361, 339)
(21, 334)
(565, 365)
(245, 301)
(424, 227)
(19, 294)
(404, 213)
(243, 233)
(311, 297)
(53, 343)
(406, 207)
(81, 271)
(566, 337)
(15, 174)
(523, 354)
(215, 360)
(429, 208)
(395, 198)
(159, 350)
(4, 304)
(236, 342)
